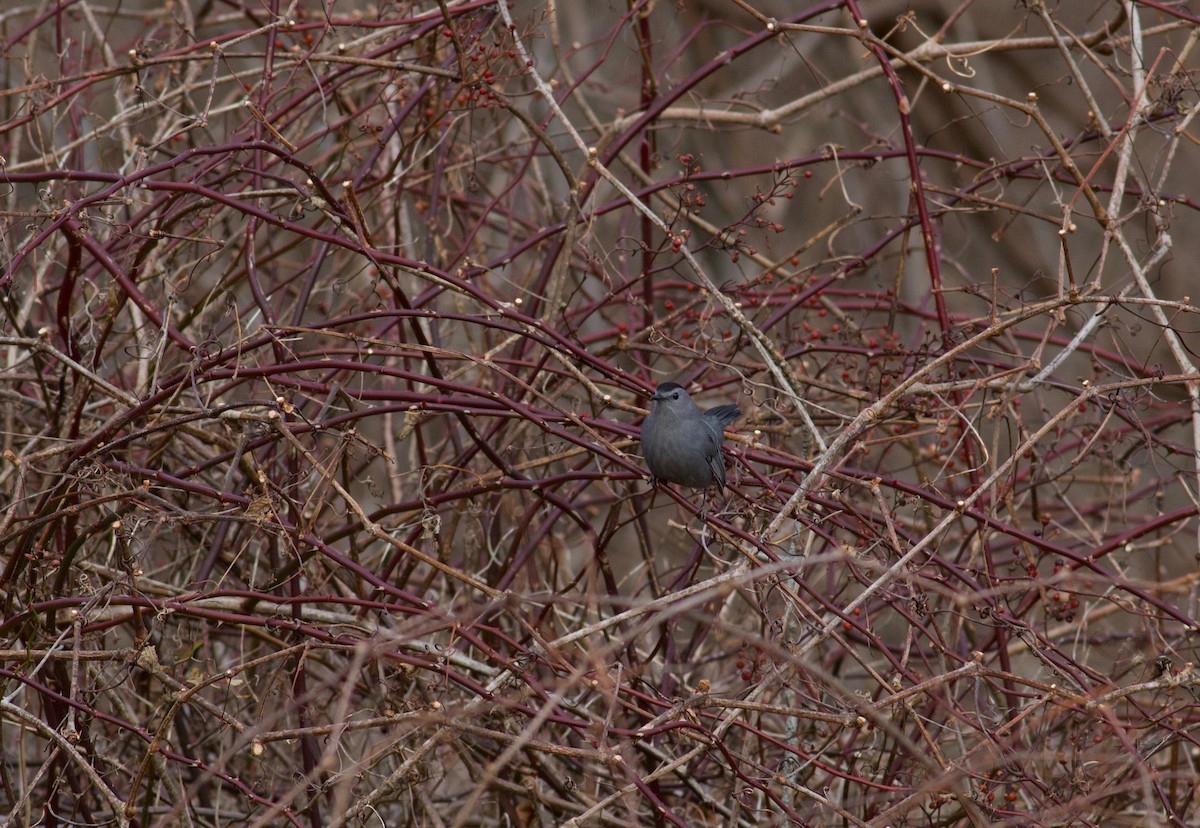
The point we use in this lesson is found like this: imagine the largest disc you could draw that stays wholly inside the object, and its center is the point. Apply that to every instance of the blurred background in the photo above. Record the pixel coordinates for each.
(328, 329)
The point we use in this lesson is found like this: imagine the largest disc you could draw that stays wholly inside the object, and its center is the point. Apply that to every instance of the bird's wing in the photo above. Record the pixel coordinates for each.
(712, 454)
(717, 463)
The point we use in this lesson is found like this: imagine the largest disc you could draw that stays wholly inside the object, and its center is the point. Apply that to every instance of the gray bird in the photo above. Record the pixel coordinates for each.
(681, 443)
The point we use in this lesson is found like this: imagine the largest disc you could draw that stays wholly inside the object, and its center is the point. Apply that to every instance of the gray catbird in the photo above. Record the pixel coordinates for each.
(681, 443)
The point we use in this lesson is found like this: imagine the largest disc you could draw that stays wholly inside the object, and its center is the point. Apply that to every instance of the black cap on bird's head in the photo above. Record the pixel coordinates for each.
(664, 390)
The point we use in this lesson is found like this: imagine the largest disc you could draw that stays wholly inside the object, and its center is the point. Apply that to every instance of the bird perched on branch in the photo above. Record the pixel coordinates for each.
(681, 443)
